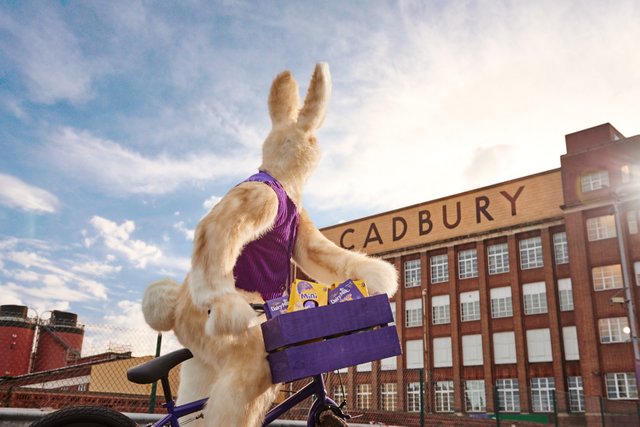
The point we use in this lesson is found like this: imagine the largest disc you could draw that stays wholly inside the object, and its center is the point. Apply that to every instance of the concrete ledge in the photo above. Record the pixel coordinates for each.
(23, 417)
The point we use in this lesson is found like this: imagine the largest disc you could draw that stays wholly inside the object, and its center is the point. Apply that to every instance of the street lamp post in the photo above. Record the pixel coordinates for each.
(627, 288)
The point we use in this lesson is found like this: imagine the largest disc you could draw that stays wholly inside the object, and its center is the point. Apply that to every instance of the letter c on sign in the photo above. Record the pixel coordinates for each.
(344, 233)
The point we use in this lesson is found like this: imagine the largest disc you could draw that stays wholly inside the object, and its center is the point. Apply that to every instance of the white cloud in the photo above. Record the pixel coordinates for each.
(118, 170)
(95, 268)
(16, 193)
(188, 232)
(49, 56)
(117, 238)
(211, 202)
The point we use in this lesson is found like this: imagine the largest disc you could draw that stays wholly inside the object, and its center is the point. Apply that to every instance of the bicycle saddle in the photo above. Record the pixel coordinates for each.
(157, 368)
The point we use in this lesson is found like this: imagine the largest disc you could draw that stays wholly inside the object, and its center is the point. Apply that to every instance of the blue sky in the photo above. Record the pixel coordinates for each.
(122, 123)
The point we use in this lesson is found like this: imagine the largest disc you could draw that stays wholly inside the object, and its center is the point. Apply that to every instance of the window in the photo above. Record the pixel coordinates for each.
(388, 397)
(444, 396)
(601, 227)
(570, 340)
(472, 350)
(474, 397)
(542, 394)
(501, 302)
(498, 257)
(413, 397)
(413, 312)
(504, 347)
(508, 395)
(632, 221)
(442, 356)
(470, 306)
(339, 393)
(439, 268)
(539, 345)
(467, 264)
(440, 310)
(636, 270)
(607, 277)
(364, 367)
(415, 360)
(535, 298)
(412, 273)
(389, 363)
(565, 294)
(392, 305)
(621, 385)
(560, 248)
(363, 396)
(612, 330)
(531, 253)
(576, 394)
(594, 181)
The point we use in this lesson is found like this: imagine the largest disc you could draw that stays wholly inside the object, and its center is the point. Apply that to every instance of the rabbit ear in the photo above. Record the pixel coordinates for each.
(317, 99)
(283, 98)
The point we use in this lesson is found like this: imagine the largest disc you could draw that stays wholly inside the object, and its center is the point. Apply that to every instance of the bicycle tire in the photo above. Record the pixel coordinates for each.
(85, 416)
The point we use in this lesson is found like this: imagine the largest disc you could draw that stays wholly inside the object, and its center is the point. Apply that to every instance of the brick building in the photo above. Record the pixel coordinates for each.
(524, 289)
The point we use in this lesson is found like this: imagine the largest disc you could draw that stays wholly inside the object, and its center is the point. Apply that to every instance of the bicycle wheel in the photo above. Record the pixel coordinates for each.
(84, 416)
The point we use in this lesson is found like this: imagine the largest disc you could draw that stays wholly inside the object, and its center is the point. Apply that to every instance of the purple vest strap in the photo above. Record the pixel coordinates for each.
(264, 264)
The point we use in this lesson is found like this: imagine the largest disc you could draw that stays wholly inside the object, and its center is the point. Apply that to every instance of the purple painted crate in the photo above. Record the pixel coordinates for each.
(313, 341)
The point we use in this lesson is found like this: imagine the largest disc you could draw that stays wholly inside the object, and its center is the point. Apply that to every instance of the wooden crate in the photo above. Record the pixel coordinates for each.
(313, 341)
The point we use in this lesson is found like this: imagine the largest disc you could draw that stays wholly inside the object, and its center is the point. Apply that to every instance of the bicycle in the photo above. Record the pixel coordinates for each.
(364, 324)
(158, 370)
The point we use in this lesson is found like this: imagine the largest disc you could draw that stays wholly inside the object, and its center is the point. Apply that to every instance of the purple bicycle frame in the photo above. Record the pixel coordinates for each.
(316, 386)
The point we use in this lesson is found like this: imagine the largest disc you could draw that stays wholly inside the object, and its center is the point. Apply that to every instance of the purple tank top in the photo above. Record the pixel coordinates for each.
(264, 265)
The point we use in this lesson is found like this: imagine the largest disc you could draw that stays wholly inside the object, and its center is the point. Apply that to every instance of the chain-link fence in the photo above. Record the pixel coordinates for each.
(59, 363)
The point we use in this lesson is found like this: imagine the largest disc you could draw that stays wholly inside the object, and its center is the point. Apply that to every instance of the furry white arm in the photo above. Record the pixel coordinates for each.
(245, 213)
(326, 262)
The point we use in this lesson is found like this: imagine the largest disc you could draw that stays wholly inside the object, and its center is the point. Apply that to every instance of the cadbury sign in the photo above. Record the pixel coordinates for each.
(520, 201)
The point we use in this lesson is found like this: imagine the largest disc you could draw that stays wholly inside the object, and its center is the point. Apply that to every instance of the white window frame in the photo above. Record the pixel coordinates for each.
(539, 345)
(468, 263)
(443, 394)
(636, 271)
(389, 397)
(340, 393)
(413, 397)
(542, 394)
(504, 348)
(364, 367)
(412, 273)
(531, 253)
(607, 277)
(561, 248)
(508, 394)
(632, 221)
(363, 396)
(389, 363)
(475, 399)
(565, 294)
(415, 354)
(442, 352)
(439, 268)
(570, 341)
(576, 394)
(611, 330)
(440, 309)
(535, 298)
(501, 302)
(498, 258)
(595, 180)
(470, 306)
(413, 312)
(621, 386)
(601, 227)
(472, 350)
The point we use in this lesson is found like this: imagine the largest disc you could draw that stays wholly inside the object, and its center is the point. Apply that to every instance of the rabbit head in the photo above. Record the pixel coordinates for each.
(290, 152)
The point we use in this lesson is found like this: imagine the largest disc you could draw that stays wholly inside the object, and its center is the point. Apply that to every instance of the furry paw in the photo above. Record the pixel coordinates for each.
(380, 276)
(229, 314)
(158, 304)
